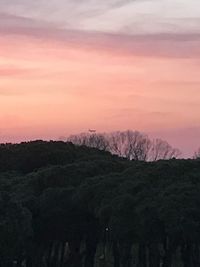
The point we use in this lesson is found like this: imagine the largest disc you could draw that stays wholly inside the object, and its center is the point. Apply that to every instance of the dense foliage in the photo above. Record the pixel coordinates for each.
(66, 205)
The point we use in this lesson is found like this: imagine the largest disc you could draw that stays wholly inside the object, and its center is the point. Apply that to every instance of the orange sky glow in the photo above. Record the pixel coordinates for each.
(58, 81)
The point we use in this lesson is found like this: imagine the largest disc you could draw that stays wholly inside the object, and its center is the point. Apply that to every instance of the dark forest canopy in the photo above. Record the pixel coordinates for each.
(66, 205)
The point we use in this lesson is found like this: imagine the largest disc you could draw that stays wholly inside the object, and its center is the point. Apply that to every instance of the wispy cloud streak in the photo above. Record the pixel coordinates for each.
(186, 45)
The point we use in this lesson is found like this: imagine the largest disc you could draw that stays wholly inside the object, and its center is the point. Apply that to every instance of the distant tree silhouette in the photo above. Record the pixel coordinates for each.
(132, 145)
(162, 150)
(98, 141)
(197, 154)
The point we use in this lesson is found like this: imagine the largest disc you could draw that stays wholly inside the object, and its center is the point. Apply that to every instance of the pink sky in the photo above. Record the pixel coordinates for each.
(109, 66)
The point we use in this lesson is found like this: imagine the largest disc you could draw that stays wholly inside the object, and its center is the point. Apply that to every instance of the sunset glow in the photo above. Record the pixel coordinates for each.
(66, 67)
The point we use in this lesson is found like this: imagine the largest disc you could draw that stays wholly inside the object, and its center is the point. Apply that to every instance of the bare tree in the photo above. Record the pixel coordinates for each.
(94, 140)
(197, 154)
(116, 143)
(138, 146)
(132, 145)
(160, 149)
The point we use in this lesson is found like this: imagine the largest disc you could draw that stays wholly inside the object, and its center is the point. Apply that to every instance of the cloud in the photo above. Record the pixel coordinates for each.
(132, 16)
(132, 25)
(56, 10)
(185, 45)
(8, 21)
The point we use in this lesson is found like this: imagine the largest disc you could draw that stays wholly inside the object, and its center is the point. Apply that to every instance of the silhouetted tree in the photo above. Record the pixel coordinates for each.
(132, 145)
(197, 154)
(162, 150)
(94, 140)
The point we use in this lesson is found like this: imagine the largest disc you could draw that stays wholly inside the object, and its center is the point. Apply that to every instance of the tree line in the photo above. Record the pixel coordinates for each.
(129, 144)
(77, 206)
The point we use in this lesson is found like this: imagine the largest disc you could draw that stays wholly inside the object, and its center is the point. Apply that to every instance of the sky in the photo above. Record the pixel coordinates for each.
(70, 65)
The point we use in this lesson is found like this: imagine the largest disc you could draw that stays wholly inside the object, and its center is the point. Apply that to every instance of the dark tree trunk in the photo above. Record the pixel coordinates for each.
(142, 255)
(29, 254)
(74, 257)
(126, 255)
(38, 255)
(170, 248)
(91, 247)
(167, 260)
(116, 254)
(54, 262)
(62, 254)
(154, 255)
(196, 256)
(49, 254)
(186, 251)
